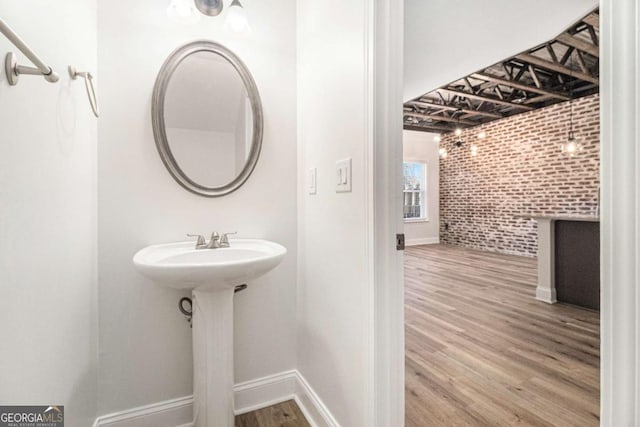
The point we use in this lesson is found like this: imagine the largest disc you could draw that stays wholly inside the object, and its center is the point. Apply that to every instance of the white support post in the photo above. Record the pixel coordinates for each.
(546, 290)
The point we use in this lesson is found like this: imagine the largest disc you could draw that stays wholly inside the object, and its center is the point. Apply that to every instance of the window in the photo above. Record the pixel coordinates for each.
(415, 191)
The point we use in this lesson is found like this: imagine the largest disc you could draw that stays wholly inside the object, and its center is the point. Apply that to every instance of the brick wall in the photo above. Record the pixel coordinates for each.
(519, 170)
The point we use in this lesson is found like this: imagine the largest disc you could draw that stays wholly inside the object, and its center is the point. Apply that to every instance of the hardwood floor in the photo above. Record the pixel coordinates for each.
(481, 351)
(286, 414)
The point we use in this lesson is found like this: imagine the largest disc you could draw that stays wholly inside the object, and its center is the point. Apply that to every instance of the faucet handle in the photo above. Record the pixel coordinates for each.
(214, 242)
(224, 240)
(201, 241)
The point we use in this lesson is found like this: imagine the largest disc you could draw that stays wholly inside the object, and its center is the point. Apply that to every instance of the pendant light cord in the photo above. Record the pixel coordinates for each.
(571, 95)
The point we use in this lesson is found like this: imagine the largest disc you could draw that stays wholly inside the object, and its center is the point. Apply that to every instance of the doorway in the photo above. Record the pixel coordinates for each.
(501, 317)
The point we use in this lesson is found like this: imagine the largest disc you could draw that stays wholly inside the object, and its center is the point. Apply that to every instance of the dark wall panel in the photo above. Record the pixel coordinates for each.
(578, 263)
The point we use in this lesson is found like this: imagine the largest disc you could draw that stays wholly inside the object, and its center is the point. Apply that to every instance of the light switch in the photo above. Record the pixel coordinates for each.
(343, 176)
(312, 181)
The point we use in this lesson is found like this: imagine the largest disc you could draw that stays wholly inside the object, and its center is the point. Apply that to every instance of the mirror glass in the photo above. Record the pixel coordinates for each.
(205, 110)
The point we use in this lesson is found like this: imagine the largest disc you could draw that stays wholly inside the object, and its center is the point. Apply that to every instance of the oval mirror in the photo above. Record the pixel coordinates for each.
(207, 118)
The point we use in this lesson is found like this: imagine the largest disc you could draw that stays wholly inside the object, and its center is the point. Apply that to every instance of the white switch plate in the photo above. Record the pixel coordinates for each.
(312, 181)
(343, 176)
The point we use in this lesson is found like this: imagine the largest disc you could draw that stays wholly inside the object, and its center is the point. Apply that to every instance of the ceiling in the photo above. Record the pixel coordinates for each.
(556, 71)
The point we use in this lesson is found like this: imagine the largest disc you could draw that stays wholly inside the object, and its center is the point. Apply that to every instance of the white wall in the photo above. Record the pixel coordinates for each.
(48, 215)
(334, 294)
(145, 343)
(448, 39)
(420, 147)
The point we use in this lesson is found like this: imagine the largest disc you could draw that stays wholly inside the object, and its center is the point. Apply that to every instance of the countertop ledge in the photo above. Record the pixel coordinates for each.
(586, 218)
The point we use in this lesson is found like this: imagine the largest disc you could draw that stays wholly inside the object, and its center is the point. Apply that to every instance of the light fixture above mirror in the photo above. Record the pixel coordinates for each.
(183, 11)
(189, 12)
(210, 7)
(237, 18)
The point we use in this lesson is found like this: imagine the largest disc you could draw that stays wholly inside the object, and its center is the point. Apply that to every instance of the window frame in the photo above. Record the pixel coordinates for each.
(424, 211)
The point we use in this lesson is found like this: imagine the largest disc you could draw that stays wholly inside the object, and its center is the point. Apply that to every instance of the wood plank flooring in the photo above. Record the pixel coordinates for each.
(481, 351)
(286, 414)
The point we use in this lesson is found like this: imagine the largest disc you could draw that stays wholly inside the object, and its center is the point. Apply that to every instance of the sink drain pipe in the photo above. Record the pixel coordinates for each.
(185, 305)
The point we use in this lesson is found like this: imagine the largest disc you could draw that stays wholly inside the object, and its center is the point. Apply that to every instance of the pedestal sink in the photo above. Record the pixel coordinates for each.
(211, 275)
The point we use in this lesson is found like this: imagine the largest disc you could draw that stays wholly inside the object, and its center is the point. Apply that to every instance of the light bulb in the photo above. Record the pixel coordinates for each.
(443, 152)
(183, 12)
(236, 17)
(458, 132)
(474, 150)
(482, 134)
(572, 146)
(437, 138)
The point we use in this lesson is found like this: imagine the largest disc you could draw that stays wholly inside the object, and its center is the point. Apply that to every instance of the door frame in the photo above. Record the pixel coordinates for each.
(619, 222)
(385, 33)
(620, 212)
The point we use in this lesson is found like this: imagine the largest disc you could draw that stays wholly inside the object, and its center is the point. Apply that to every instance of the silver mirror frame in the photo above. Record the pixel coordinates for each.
(160, 133)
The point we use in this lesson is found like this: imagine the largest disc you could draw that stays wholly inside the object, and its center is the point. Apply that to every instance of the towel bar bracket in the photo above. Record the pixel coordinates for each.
(13, 70)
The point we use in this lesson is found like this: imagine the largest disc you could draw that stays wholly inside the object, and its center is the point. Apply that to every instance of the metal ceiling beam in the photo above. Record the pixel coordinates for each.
(593, 20)
(521, 86)
(554, 66)
(486, 99)
(439, 118)
(534, 75)
(572, 41)
(425, 104)
(534, 79)
(537, 99)
(428, 128)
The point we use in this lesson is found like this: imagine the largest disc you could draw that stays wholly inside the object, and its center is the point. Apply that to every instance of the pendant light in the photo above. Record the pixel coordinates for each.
(458, 142)
(458, 132)
(442, 152)
(481, 135)
(572, 145)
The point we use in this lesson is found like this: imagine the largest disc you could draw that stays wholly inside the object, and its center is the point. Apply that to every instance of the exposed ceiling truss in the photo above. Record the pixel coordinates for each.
(553, 72)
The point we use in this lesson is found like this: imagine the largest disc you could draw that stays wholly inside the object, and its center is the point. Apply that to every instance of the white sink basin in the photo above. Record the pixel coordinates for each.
(181, 266)
(211, 275)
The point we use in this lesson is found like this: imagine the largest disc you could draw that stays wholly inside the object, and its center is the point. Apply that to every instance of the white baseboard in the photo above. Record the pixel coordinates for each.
(311, 405)
(422, 241)
(170, 413)
(262, 392)
(249, 396)
(546, 295)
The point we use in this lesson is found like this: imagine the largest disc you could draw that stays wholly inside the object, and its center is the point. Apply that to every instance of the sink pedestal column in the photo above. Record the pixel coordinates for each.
(213, 358)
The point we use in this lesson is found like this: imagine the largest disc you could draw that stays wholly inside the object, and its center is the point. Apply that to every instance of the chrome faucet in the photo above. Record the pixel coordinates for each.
(224, 240)
(216, 241)
(201, 243)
